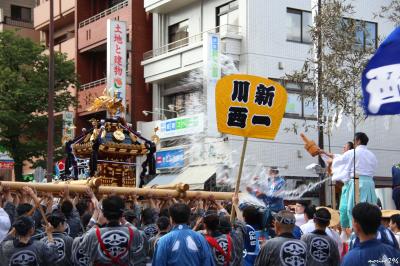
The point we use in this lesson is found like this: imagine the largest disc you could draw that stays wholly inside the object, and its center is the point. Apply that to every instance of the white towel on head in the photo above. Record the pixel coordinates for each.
(5, 224)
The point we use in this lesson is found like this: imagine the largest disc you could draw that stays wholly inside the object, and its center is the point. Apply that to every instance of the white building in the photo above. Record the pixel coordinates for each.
(261, 37)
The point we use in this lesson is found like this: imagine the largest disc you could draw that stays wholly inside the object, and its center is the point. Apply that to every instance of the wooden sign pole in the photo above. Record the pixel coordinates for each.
(356, 189)
(239, 176)
(333, 194)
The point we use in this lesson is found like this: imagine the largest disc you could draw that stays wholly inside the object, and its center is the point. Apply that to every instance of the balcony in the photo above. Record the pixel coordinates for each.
(187, 54)
(92, 32)
(24, 28)
(165, 6)
(67, 47)
(63, 14)
(90, 91)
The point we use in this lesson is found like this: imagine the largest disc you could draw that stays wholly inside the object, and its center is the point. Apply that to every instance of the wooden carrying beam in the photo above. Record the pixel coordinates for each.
(179, 187)
(157, 193)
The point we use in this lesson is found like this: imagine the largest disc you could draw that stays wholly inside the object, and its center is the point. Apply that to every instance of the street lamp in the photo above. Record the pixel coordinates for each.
(146, 113)
(166, 110)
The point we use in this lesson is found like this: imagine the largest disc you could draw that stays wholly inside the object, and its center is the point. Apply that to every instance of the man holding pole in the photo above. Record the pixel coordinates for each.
(361, 186)
(269, 191)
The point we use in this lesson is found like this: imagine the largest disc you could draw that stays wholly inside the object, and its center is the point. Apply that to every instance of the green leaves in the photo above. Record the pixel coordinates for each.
(23, 96)
(342, 61)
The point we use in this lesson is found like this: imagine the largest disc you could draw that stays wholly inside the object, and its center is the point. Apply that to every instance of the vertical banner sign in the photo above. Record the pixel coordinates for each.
(116, 59)
(212, 73)
(249, 106)
(68, 125)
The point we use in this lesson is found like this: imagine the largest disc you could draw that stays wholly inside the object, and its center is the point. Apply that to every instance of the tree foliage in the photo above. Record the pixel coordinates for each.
(390, 12)
(23, 96)
(343, 58)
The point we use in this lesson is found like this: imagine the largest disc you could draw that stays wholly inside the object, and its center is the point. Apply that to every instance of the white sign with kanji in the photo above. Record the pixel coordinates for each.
(116, 59)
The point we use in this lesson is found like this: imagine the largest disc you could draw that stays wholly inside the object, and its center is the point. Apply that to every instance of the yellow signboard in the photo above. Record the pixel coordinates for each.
(249, 106)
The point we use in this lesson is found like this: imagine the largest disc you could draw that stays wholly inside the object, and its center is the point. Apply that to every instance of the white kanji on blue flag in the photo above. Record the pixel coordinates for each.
(381, 78)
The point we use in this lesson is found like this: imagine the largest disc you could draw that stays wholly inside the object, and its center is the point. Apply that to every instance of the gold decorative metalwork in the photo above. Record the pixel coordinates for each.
(111, 103)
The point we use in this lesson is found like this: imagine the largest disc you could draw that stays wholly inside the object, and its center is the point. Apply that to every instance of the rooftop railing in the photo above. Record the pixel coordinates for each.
(223, 30)
(103, 13)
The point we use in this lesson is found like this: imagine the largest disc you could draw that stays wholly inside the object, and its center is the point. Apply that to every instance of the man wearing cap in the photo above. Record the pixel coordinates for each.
(321, 249)
(269, 192)
(283, 249)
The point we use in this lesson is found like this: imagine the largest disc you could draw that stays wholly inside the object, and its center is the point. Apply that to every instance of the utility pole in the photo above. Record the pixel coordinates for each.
(318, 84)
(50, 109)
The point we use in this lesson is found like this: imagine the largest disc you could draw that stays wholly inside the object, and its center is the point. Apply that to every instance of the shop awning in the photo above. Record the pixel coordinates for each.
(194, 176)
(162, 179)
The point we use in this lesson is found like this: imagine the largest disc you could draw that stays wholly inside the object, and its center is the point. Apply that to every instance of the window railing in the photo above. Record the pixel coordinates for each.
(93, 84)
(223, 30)
(18, 23)
(99, 82)
(104, 13)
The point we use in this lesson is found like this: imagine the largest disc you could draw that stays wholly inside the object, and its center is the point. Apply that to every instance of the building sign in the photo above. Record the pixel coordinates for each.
(116, 59)
(6, 164)
(180, 126)
(212, 73)
(59, 168)
(249, 106)
(5, 161)
(170, 159)
(68, 125)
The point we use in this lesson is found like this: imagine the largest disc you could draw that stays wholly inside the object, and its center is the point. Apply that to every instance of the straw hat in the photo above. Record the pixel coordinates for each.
(388, 213)
(335, 217)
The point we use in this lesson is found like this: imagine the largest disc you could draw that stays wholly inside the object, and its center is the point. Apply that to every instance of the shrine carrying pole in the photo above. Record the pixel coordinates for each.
(55, 188)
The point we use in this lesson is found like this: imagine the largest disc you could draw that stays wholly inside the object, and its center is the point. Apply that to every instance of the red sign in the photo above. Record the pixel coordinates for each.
(6, 165)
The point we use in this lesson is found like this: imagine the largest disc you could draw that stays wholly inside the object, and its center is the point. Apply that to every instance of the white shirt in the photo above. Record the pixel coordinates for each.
(5, 224)
(397, 236)
(366, 164)
(308, 227)
(300, 219)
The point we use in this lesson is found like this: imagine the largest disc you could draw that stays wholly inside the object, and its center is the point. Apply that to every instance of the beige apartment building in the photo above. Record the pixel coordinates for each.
(18, 15)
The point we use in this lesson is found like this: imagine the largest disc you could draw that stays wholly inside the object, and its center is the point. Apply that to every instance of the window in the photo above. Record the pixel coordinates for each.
(228, 16)
(365, 34)
(297, 105)
(183, 103)
(370, 33)
(177, 34)
(21, 13)
(298, 25)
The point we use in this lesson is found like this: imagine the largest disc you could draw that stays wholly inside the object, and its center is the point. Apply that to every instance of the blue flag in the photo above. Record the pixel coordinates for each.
(381, 78)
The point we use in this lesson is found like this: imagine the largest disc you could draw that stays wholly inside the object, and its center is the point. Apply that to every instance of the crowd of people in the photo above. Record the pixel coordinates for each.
(114, 230)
